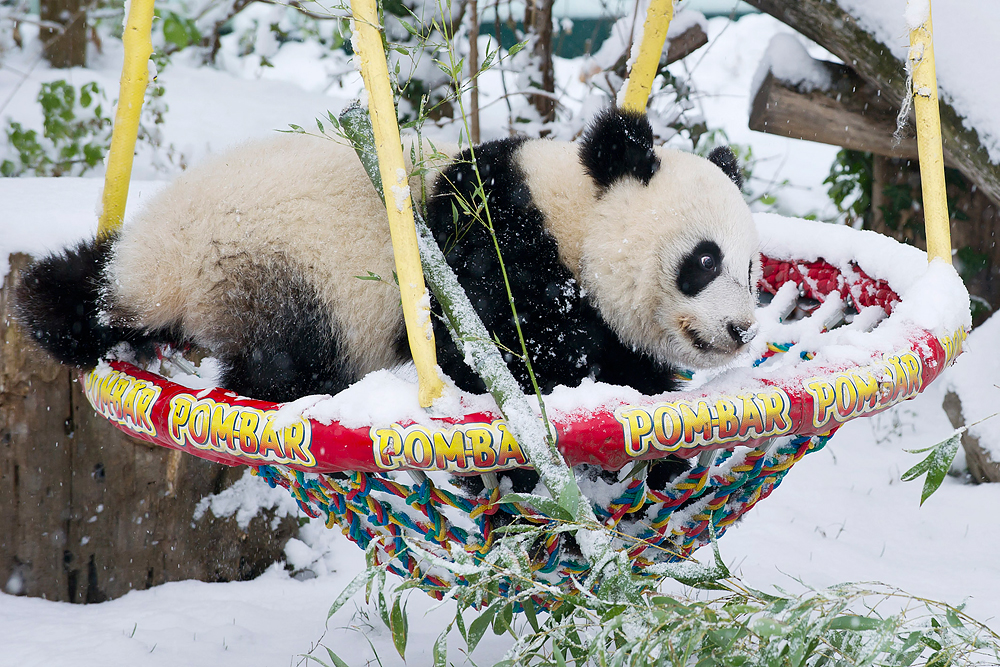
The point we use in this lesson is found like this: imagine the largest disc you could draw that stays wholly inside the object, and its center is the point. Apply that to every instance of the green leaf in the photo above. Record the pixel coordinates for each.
(503, 621)
(936, 465)
(855, 623)
(440, 650)
(351, 589)
(769, 627)
(529, 614)
(513, 51)
(399, 625)
(546, 506)
(478, 627)
(335, 658)
(930, 643)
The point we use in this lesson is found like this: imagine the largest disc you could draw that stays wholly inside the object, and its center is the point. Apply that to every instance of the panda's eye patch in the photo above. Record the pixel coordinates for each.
(699, 268)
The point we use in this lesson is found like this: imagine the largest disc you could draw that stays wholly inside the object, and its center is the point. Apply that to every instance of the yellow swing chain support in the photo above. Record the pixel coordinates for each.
(135, 76)
(382, 110)
(654, 36)
(931, 155)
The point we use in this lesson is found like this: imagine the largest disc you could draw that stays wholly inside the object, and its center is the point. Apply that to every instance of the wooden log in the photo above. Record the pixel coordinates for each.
(686, 43)
(849, 114)
(982, 468)
(86, 514)
(831, 27)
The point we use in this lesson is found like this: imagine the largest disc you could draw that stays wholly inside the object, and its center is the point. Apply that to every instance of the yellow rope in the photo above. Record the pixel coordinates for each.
(135, 75)
(654, 35)
(925, 106)
(416, 309)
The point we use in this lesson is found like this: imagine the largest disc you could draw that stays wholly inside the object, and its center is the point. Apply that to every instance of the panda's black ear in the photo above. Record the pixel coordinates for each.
(619, 144)
(724, 159)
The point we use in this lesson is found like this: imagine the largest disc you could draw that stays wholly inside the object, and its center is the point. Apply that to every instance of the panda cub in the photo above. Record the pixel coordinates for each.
(624, 260)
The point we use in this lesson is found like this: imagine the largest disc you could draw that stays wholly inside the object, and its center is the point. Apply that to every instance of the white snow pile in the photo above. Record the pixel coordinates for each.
(245, 499)
(933, 296)
(788, 60)
(964, 51)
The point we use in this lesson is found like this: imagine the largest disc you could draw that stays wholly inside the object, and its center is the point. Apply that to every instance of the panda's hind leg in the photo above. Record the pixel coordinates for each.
(273, 334)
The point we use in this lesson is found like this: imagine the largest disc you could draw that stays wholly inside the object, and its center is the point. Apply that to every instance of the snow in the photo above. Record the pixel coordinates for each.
(842, 515)
(787, 58)
(964, 39)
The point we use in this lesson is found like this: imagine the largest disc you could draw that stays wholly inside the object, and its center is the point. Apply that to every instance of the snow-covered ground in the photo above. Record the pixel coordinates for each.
(841, 515)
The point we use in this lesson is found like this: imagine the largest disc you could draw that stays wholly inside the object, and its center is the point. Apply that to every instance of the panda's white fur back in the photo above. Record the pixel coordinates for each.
(295, 198)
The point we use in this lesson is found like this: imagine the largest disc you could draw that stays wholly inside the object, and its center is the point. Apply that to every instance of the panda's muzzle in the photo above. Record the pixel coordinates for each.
(742, 332)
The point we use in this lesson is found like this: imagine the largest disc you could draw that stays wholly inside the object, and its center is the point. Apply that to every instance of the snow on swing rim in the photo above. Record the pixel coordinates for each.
(810, 390)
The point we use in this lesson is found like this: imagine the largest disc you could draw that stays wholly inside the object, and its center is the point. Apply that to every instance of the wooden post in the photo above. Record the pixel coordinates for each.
(86, 514)
(66, 47)
(473, 10)
(538, 20)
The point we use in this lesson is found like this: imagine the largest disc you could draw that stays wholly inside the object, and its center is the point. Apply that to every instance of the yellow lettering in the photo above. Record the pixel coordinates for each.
(729, 423)
(180, 412)
(417, 449)
(246, 433)
(269, 442)
(696, 422)
(223, 432)
(637, 425)
(509, 449)
(847, 396)
(453, 451)
(389, 446)
(751, 417)
(823, 398)
(295, 438)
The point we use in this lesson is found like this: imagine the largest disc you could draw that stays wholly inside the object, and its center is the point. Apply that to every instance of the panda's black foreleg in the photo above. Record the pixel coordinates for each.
(275, 337)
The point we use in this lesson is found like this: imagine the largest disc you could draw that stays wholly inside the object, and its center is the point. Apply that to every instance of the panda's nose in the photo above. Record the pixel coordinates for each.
(742, 332)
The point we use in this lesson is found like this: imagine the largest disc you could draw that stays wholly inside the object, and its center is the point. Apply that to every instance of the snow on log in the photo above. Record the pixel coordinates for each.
(848, 112)
(831, 27)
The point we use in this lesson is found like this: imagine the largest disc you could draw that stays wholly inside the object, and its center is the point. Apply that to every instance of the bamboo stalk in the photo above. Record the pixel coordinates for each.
(382, 110)
(925, 106)
(135, 76)
(654, 36)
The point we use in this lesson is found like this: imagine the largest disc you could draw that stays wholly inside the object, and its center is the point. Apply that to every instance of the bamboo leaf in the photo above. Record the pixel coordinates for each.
(351, 589)
(546, 506)
(440, 650)
(478, 627)
(936, 465)
(399, 625)
(855, 623)
(335, 658)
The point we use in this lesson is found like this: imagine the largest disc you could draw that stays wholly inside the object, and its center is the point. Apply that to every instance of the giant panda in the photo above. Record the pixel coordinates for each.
(625, 261)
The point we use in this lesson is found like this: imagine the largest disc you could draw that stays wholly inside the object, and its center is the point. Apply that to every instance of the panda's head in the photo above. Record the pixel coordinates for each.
(670, 255)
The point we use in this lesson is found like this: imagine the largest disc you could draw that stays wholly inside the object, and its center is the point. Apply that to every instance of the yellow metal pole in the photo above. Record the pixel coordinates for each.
(381, 108)
(654, 35)
(925, 106)
(135, 75)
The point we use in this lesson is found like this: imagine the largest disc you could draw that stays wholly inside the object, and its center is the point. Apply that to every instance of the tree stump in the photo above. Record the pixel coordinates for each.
(87, 514)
